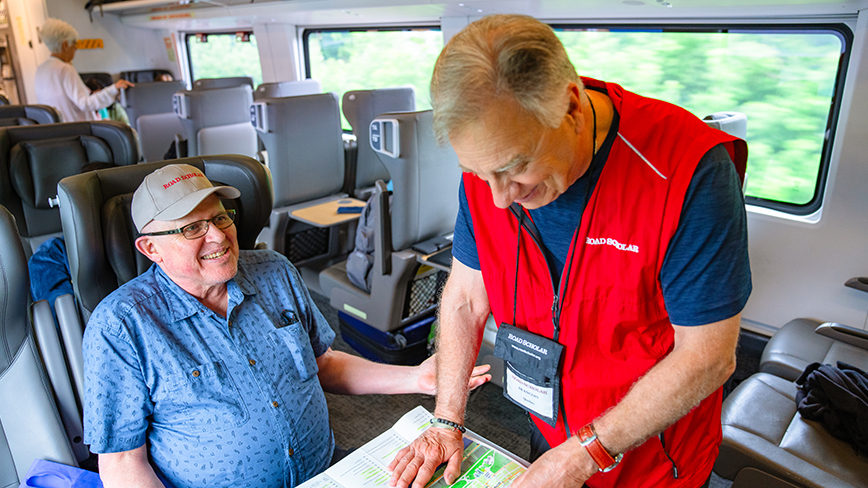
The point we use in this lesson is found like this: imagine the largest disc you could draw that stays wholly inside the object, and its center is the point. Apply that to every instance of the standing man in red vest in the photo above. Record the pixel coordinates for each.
(606, 233)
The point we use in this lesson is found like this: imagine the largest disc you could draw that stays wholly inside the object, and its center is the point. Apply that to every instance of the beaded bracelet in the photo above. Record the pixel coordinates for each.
(447, 424)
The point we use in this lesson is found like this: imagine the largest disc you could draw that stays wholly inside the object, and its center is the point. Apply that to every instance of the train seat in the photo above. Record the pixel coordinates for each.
(303, 138)
(767, 443)
(11, 115)
(105, 79)
(802, 341)
(423, 206)
(100, 236)
(145, 75)
(215, 121)
(287, 89)
(31, 424)
(360, 107)
(227, 82)
(149, 107)
(34, 159)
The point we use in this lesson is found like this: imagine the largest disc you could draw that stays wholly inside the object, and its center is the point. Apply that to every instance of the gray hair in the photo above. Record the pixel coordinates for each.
(501, 55)
(54, 32)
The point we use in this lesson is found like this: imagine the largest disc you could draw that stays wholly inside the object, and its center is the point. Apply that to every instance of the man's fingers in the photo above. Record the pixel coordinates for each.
(453, 467)
(403, 452)
(401, 468)
(478, 381)
(482, 368)
(426, 471)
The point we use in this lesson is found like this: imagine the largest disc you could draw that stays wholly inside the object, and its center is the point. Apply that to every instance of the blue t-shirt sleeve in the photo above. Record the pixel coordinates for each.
(706, 272)
(116, 400)
(463, 240)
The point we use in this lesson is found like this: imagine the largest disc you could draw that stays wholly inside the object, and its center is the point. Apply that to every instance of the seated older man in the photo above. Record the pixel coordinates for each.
(209, 369)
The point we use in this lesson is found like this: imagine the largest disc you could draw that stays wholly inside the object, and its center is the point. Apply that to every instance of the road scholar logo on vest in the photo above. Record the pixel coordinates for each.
(599, 241)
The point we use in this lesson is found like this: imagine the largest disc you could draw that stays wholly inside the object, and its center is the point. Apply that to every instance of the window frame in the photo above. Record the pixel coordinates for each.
(840, 29)
(188, 34)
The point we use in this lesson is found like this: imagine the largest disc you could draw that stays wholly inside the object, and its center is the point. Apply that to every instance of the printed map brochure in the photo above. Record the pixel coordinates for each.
(484, 466)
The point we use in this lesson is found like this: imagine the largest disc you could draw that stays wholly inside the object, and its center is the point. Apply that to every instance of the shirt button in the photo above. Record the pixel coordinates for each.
(252, 362)
(290, 451)
(230, 322)
(195, 373)
(275, 404)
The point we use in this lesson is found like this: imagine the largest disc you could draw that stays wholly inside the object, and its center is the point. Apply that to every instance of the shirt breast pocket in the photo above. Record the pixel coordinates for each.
(294, 345)
(208, 397)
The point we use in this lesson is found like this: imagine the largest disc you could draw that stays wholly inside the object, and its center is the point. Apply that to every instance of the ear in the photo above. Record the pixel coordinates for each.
(574, 107)
(146, 246)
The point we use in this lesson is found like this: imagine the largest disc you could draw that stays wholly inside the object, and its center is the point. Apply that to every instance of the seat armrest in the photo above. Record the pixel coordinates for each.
(55, 366)
(844, 333)
(858, 283)
(71, 330)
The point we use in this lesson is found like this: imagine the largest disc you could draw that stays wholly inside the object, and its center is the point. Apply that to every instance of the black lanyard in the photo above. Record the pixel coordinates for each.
(519, 212)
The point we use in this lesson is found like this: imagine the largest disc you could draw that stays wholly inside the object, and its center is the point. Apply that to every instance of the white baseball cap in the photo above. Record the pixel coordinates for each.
(172, 192)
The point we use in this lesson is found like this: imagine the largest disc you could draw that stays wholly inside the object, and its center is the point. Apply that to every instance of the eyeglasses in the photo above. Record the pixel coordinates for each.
(199, 228)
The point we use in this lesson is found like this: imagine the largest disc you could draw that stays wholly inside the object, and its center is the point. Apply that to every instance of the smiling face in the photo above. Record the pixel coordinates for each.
(522, 160)
(198, 266)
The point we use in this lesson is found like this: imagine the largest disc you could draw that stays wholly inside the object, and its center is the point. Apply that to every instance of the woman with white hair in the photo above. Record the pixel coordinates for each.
(58, 83)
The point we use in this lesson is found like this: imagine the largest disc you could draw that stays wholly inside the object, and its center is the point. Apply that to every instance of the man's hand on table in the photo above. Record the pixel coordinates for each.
(420, 459)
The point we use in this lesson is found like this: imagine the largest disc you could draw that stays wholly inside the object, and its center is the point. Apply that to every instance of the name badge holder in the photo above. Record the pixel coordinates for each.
(531, 378)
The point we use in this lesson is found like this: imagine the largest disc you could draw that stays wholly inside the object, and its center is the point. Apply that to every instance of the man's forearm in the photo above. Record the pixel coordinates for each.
(462, 325)
(690, 373)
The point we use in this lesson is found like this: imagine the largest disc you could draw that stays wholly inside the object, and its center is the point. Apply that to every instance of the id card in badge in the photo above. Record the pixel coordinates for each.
(531, 378)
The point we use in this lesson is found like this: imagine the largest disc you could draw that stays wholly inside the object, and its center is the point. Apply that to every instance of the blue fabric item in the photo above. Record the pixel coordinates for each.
(48, 474)
(49, 272)
(706, 273)
(230, 401)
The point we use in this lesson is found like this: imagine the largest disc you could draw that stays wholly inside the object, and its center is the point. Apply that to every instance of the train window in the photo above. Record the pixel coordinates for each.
(344, 60)
(787, 80)
(224, 54)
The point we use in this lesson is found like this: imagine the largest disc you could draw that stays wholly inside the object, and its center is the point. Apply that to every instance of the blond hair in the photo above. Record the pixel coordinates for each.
(498, 56)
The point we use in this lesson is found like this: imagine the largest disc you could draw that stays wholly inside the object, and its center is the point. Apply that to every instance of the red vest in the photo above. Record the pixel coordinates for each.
(613, 322)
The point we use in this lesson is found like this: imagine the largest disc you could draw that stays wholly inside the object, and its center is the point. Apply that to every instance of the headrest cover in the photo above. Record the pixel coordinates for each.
(172, 192)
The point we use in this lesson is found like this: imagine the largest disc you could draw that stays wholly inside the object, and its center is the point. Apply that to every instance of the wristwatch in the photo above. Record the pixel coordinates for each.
(588, 438)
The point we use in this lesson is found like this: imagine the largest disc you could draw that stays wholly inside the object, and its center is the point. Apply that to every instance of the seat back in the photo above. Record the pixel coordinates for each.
(11, 115)
(360, 107)
(425, 177)
(303, 138)
(144, 75)
(98, 228)
(31, 426)
(423, 206)
(34, 159)
(149, 107)
(216, 120)
(287, 89)
(228, 82)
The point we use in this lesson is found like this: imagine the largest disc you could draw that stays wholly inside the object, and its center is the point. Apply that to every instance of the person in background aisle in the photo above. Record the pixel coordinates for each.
(607, 234)
(114, 111)
(59, 85)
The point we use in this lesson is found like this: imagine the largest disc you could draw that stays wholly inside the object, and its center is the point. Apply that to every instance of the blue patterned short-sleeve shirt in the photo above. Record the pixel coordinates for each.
(231, 401)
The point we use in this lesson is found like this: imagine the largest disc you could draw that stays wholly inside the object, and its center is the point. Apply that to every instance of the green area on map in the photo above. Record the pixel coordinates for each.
(482, 468)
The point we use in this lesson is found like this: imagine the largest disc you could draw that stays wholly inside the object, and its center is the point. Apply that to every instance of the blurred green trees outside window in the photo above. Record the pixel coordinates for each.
(221, 55)
(344, 60)
(784, 81)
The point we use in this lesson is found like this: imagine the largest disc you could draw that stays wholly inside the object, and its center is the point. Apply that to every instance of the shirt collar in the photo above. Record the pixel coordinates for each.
(182, 305)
